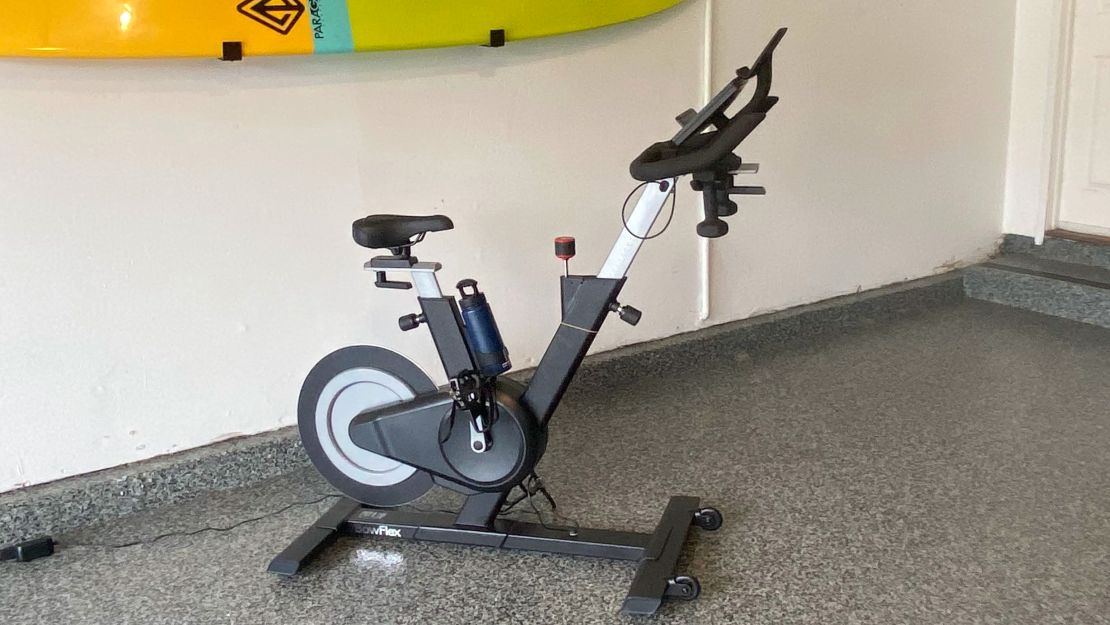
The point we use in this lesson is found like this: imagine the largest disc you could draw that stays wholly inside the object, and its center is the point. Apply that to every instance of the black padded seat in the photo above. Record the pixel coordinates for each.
(393, 231)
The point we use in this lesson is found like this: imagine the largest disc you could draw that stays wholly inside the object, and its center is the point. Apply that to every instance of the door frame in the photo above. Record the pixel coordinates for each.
(1044, 34)
(1065, 47)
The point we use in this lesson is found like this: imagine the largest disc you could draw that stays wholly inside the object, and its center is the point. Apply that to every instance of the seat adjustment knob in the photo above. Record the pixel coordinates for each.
(410, 322)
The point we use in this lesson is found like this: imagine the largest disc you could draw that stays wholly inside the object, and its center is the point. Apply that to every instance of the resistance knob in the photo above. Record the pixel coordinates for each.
(564, 251)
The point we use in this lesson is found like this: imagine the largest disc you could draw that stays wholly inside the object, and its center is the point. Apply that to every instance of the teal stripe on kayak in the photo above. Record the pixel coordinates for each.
(331, 26)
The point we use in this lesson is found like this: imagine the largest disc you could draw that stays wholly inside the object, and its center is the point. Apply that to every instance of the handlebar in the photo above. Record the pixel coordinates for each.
(702, 152)
(696, 148)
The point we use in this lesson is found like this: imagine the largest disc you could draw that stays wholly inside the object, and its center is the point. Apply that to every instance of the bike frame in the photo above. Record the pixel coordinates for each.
(586, 301)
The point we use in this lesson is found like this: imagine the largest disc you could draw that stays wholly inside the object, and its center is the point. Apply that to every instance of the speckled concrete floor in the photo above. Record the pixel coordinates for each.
(948, 468)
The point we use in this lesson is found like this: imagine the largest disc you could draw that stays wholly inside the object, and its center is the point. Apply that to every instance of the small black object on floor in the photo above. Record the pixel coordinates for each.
(28, 550)
(657, 552)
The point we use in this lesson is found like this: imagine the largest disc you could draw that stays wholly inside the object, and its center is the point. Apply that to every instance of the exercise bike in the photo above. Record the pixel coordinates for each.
(383, 434)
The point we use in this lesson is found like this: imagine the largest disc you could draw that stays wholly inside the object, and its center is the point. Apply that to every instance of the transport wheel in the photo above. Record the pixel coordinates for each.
(685, 587)
(709, 519)
(342, 385)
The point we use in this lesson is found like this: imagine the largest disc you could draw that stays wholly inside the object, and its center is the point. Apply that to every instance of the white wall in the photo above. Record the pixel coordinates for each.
(174, 235)
(885, 159)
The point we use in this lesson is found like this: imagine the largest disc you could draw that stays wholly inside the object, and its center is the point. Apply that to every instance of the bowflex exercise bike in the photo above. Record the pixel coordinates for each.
(382, 433)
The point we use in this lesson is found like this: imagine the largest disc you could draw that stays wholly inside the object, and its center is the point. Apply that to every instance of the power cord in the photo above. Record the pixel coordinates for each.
(531, 487)
(149, 541)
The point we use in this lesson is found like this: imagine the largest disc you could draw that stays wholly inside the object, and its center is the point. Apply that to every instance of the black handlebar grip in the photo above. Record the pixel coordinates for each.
(699, 154)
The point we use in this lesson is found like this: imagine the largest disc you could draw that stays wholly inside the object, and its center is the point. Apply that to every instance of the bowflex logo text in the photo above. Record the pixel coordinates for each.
(385, 530)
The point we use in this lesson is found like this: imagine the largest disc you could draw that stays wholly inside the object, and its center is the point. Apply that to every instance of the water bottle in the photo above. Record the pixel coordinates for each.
(481, 330)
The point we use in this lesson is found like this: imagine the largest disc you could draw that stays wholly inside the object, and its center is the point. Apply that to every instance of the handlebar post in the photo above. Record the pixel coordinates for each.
(725, 206)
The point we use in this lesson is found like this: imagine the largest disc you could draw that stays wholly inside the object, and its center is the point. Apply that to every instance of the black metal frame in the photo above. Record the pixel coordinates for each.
(587, 300)
(657, 553)
(446, 325)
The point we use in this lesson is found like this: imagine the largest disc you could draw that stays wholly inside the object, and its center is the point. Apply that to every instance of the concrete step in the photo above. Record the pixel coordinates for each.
(1090, 251)
(1076, 291)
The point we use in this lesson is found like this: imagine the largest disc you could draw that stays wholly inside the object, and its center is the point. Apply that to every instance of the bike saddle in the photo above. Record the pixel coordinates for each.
(394, 231)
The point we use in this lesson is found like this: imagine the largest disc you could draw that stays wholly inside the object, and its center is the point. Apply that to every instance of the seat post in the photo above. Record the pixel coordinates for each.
(424, 277)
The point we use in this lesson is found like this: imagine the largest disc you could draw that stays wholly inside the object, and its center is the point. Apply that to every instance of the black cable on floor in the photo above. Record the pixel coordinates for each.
(202, 530)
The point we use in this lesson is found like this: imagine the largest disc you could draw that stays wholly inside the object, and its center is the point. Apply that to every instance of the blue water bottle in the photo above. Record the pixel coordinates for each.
(481, 330)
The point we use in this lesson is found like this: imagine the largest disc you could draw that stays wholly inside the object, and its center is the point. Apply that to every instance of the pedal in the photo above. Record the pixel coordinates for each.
(471, 395)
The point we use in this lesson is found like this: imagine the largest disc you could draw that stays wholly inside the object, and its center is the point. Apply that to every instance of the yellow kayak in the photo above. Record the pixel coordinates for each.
(161, 28)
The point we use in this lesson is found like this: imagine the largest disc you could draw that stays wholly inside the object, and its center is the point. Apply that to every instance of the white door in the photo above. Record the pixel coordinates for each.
(1085, 183)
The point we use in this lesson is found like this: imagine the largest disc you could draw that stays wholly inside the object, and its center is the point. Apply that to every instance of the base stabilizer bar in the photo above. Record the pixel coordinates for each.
(657, 553)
